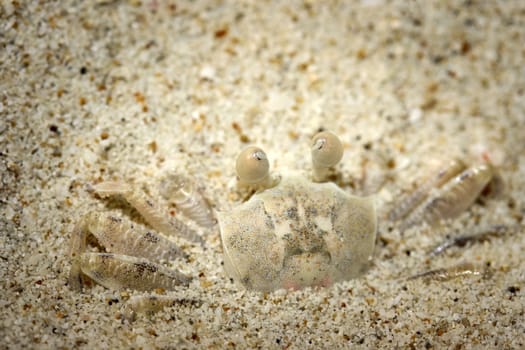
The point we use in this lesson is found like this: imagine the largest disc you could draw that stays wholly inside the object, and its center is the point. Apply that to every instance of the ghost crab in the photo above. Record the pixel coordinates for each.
(294, 232)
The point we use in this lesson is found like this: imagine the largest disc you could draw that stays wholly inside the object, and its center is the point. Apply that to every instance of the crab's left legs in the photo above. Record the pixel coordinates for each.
(453, 198)
(437, 179)
(445, 274)
(481, 235)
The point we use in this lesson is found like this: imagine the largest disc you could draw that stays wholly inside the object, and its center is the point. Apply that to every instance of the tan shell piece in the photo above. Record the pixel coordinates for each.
(298, 234)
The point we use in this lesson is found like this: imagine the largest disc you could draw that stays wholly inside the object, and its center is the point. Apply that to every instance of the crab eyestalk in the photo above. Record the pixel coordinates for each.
(253, 168)
(327, 151)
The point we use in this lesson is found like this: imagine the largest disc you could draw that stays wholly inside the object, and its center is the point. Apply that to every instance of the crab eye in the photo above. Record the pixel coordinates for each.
(252, 165)
(327, 151)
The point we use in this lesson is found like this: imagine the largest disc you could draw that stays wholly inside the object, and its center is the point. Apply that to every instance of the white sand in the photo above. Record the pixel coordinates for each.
(127, 90)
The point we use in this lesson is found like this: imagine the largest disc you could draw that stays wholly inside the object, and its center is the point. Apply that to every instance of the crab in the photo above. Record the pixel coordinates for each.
(294, 231)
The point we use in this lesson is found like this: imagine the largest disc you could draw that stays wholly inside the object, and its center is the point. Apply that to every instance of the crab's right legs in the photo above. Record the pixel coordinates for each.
(150, 304)
(120, 270)
(188, 199)
(115, 271)
(147, 208)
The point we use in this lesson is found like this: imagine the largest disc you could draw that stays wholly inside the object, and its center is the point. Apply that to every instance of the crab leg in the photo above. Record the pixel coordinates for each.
(481, 235)
(436, 180)
(452, 199)
(119, 236)
(147, 208)
(188, 199)
(150, 304)
(445, 274)
(117, 271)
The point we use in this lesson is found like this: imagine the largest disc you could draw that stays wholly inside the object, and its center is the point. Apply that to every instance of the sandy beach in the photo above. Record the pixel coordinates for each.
(135, 90)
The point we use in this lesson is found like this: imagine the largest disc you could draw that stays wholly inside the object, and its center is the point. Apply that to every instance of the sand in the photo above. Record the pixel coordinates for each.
(131, 90)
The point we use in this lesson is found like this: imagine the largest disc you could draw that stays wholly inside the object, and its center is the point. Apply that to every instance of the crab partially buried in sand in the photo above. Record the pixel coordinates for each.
(292, 233)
